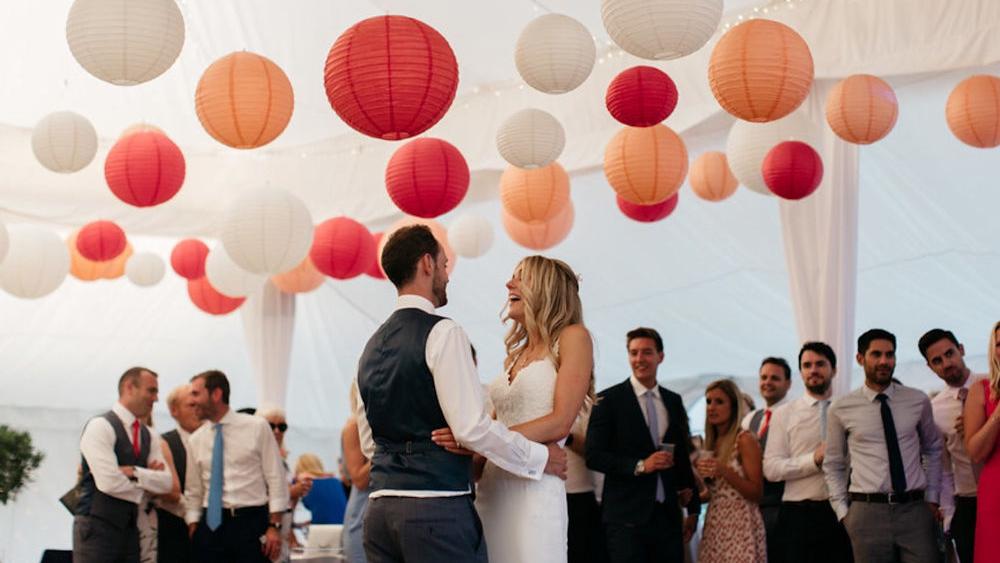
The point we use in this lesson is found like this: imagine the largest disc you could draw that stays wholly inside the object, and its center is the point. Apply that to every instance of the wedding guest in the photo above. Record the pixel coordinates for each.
(173, 541)
(297, 488)
(325, 499)
(982, 437)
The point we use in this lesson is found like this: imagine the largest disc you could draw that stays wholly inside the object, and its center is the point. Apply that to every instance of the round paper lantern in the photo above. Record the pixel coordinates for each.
(748, 144)
(209, 300)
(267, 231)
(244, 100)
(36, 262)
(539, 235)
(661, 29)
(145, 269)
(710, 177)
(101, 241)
(534, 195)
(84, 269)
(64, 142)
(342, 248)
(793, 170)
(861, 109)
(439, 232)
(391, 77)
(973, 111)
(554, 53)
(227, 277)
(375, 270)
(4, 241)
(641, 96)
(470, 236)
(125, 43)
(144, 169)
(646, 165)
(427, 177)
(760, 70)
(188, 258)
(300, 279)
(648, 213)
(531, 138)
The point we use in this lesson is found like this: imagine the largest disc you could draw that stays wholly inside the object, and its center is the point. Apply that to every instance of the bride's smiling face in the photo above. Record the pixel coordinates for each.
(515, 302)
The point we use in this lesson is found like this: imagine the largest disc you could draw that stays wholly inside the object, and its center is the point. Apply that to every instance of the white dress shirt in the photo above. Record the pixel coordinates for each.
(252, 472)
(957, 475)
(97, 444)
(793, 436)
(460, 396)
(661, 410)
(745, 423)
(856, 441)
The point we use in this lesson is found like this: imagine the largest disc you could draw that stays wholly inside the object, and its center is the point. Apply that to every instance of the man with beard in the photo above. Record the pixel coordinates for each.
(946, 358)
(878, 434)
(807, 525)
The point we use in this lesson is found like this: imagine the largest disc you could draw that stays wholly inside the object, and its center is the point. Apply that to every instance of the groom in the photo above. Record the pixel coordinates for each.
(417, 375)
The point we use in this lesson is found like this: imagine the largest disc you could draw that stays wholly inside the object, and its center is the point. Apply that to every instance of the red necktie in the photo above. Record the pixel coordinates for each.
(135, 439)
(763, 427)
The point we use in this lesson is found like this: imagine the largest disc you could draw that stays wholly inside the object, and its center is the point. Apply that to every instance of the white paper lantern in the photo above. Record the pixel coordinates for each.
(531, 138)
(470, 236)
(749, 143)
(555, 53)
(125, 42)
(267, 231)
(145, 269)
(661, 29)
(4, 241)
(64, 141)
(36, 263)
(228, 278)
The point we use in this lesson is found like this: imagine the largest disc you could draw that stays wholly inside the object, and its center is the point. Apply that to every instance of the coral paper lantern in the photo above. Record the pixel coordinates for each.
(973, 111)
(793, 170)
(534, 195)
(439, 232)
(646, 165)
(375, 270)
(391, 77)
(661, 29)
(188, 258)
(648, 213)
(342, 248)
(267, 231)
(760, 70)
(531, 138)
(64, 142)
(470, 236)
(36, 262)
(554, 53)
(145, 269)
(641, 96)
(539, 235)
(861, 109)
(748, 144)
(101, 241)
(209, 300)
(710, 177)
(300, 279)
(427, 177)
(244, 100)
(125, 43)
(144, 169)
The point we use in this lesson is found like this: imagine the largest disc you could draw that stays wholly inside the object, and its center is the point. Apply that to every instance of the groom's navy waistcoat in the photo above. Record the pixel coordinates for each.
(402, 409)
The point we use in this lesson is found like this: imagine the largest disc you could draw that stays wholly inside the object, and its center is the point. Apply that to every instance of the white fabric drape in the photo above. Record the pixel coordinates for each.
(268, 325)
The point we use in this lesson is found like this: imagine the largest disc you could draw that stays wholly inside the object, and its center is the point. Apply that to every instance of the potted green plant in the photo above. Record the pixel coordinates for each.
(17, 461)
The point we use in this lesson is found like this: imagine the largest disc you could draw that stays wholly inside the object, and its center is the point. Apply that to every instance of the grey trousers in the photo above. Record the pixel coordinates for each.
(423, 530)
(892, 533)
(98, 541)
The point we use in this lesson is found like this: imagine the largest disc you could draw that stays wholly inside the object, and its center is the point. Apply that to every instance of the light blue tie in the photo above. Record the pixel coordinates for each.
(654, 432)
(823, 406)
(214, 516)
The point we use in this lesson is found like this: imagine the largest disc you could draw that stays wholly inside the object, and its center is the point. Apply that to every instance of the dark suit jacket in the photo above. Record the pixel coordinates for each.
(618, 438)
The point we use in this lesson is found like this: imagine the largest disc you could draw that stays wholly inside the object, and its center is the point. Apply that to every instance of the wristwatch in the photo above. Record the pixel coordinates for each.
(275, 525)
(640, 467)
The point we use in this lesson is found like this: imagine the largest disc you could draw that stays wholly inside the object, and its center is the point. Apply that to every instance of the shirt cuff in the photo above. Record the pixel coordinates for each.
(277, 505)
(933, 496)
(841, 509)
(538, 456)
(156, 482)
(192, 516)
(807, 463)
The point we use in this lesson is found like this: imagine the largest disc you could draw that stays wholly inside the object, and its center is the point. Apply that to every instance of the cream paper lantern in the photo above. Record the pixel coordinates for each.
(227, 278)
(125, 42)
(555, 53)
(470, 236)
(267, 231)
(36, 263)
(145, 269)
(749, 143)
(661, 29)
(531, 138)
(64, 142)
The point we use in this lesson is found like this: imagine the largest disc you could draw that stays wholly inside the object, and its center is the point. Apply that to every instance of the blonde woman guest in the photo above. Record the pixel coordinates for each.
(358, 467)
(982, 436)
(325, 499)
(734, 529)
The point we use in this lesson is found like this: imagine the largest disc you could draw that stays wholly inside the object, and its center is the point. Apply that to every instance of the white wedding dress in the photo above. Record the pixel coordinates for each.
(524, 521)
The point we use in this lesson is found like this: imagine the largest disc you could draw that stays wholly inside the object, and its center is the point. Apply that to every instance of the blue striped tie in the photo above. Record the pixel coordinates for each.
(214, 516)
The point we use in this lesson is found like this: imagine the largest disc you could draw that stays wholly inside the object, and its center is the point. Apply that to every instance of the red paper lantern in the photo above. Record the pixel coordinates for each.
(375, 270)
(792, 170)
(208, 299)
(648, 213)
(427, 177)
(641, 96)
(101, 241)
(391, 77)
(144, 168)
(188, 258)
(342, 248)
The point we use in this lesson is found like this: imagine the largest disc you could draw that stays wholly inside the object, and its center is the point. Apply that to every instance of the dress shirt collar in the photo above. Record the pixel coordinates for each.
(640, 389)
(952, 392)
(775, 406)
(870, 393)
(811, 401)
(411, 301)
(124, 414)
(227, 418)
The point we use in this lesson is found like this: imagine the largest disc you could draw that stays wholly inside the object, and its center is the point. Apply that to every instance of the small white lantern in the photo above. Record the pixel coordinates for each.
(531, 138)
(36, 263)
(749, 143)
(267, 231)
(661, 29)
(64, 142)
(470, 236)
(555, 53)
(145, 269)
(229, 279)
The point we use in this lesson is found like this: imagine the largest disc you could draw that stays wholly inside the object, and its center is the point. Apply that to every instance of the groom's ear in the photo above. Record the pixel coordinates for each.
(426, 264)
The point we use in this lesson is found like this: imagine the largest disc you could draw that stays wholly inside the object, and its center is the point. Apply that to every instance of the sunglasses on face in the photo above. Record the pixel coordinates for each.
(282, 426)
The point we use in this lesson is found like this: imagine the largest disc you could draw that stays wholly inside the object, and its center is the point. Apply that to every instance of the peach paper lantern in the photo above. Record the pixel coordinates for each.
(862, 109)
(760, 70)
(440, 234)
(973, 111)
(710, 177)
(538, 194)
(539, 235)
(89, 270)
(300, 279)
(646, 165)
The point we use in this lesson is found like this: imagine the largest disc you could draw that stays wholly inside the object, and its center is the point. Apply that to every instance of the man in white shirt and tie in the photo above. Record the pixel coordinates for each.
(945, 356)
(808, 527)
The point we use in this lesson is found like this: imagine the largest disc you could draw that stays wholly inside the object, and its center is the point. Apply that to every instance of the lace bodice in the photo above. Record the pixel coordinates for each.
(529, 396)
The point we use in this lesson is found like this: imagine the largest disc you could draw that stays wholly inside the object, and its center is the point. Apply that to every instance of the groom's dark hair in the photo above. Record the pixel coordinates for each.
(404, 249)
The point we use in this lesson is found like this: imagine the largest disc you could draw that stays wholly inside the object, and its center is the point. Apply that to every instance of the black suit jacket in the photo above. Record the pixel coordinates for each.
(618, 438)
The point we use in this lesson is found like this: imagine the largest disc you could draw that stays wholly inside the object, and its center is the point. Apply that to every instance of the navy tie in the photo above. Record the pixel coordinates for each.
(896, 471)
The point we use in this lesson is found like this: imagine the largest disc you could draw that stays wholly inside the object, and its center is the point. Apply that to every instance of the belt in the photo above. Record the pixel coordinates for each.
(242, 511)
(888, 498)
(807, 502)
(406, 447)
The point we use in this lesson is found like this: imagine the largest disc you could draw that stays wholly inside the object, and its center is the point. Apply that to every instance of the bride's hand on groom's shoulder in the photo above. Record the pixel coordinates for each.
(444, 438)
